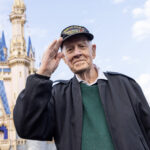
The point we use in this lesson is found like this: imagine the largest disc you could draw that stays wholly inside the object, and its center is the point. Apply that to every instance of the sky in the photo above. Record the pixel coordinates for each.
(121, 30)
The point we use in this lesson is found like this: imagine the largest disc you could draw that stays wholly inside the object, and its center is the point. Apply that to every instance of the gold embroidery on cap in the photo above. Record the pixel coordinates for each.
(73, 30)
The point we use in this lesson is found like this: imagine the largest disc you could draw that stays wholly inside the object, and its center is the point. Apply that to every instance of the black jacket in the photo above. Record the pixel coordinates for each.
(44, 111)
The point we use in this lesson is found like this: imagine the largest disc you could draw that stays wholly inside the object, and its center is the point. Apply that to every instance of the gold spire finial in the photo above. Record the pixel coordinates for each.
(19, 3)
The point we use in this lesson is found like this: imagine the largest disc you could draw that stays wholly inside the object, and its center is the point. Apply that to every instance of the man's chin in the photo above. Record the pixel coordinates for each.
(80, 70)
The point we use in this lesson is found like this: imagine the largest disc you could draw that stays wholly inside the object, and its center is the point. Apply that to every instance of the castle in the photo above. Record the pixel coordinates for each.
(15, 65)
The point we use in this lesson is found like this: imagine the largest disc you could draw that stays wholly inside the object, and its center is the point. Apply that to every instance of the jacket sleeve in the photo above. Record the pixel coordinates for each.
(143, 111)
(34, 116)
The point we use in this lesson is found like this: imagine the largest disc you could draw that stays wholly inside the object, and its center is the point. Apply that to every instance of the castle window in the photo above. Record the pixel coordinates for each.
(3, 132)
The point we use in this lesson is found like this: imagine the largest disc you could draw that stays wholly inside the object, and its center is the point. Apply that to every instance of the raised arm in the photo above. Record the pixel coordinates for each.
(34, 115)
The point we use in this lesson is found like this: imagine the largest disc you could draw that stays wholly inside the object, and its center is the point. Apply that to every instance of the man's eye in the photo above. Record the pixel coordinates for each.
(82, 46)
(69, 49)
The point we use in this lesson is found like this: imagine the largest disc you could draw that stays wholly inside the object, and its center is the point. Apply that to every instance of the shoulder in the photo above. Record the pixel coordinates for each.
(119, 79)
(60, 82)
(117, 75)
(61, 86)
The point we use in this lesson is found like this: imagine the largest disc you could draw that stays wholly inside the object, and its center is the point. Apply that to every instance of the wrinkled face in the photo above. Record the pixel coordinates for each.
(78, 53)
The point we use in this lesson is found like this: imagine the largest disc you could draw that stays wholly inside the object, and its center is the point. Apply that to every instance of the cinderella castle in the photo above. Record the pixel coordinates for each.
(15, 65)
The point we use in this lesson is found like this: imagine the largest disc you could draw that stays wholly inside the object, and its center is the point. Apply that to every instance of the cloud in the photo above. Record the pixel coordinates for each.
(129, 60)
(144, 81)
(125, 58)
(118, 1)
(141, 28)
(137, 12)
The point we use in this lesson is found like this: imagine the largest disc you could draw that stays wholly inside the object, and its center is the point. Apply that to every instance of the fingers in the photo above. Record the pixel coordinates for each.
(58, 43)
(58, 57)
(54, 47)
(55, 44)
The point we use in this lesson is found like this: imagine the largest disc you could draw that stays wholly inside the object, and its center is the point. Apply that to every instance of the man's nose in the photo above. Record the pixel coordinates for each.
(77, 51)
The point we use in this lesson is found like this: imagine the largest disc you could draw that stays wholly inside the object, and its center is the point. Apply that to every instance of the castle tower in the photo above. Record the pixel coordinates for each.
(18, 60)
(31, 55)
(14, 70)
(18, 19)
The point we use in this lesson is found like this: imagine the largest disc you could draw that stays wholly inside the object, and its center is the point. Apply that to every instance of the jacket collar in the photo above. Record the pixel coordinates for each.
(101, 76)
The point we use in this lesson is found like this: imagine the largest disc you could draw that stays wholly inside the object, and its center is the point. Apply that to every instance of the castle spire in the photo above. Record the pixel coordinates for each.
(3, 48)
(18, 19)
(19, 4)
(30, 51)
(29, 46)
(3, 40)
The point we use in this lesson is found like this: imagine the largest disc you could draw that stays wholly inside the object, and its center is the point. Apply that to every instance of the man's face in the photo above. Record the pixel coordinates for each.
(78, 53)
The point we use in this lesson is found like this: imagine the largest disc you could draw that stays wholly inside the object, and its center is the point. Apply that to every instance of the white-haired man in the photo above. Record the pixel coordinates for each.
(94, 110)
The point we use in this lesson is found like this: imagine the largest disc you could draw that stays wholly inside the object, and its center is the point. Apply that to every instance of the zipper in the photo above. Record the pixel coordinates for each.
(101, 87)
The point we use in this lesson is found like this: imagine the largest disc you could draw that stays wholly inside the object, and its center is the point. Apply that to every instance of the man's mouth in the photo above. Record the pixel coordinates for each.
(77, 61)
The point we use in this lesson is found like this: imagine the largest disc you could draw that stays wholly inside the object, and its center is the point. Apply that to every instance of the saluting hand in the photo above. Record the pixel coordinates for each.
(51, 58)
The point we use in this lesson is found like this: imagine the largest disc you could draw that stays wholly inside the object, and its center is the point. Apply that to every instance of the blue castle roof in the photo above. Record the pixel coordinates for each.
(29, 46)
(2, 46)
(4, 97)
(3, 40)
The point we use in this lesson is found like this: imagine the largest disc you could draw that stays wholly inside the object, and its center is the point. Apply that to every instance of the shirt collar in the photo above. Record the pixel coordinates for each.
(101, 76)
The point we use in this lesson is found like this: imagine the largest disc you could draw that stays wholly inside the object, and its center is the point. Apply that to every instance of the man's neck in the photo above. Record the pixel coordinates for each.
(89, 76)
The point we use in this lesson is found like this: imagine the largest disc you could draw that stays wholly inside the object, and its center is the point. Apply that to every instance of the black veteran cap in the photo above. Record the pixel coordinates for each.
(75, 30)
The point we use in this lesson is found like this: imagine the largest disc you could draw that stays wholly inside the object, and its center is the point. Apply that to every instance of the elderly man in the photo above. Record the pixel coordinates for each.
(92, 111)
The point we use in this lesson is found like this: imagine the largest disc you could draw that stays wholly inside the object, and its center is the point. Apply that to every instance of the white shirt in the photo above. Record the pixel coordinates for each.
(101, 75)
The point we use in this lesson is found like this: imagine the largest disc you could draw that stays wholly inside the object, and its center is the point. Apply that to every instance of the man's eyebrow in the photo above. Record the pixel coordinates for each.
(83, 42)
(68, 46)
(80, 42)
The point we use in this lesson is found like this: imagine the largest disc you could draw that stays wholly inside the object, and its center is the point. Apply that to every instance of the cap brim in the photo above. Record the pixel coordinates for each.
(88, 35)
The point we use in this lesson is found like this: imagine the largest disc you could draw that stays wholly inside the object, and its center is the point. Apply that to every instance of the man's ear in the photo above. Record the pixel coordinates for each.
(93, 51)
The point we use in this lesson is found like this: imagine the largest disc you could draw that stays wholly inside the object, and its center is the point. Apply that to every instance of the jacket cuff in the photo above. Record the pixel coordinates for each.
(42, 76)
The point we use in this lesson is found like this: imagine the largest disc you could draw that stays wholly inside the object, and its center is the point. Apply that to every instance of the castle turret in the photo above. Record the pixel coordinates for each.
(31, 55)
(14, 69)
(30, 51)
(18, 19)
(3, 48)
(18, 60)
(19, 4)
